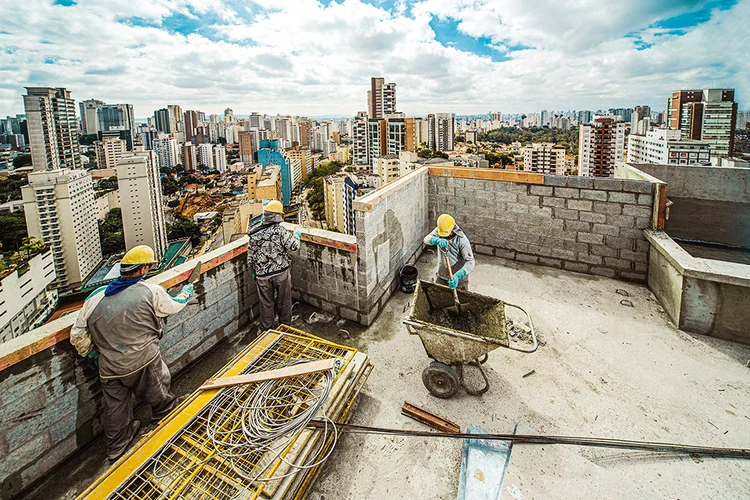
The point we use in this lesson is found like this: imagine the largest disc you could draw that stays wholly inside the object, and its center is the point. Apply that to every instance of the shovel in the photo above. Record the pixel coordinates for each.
(454, 311)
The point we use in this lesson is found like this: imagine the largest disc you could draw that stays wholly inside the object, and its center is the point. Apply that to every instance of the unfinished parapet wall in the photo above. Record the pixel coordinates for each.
(50, 398)
(581, 224)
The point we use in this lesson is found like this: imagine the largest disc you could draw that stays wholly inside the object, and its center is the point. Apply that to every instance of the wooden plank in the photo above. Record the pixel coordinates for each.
(428, 418)
(289, 371)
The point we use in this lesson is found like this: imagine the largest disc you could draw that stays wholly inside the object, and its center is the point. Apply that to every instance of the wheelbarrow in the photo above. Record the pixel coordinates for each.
(452, 348)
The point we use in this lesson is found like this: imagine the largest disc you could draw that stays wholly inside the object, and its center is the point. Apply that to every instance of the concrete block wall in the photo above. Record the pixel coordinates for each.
(581, 224)
(50, 398)
(391, 224)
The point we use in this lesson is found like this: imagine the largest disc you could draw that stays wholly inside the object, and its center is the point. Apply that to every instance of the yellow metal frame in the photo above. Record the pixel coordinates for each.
(181, 429)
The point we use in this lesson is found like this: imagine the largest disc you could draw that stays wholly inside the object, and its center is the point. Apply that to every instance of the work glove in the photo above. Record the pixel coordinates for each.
(252, 275)
(297, 234)
(441, 242)
(93, 357)
(188, 288)
(453, 282)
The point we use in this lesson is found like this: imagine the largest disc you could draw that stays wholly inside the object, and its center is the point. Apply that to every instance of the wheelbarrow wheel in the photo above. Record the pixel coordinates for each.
(440, 379)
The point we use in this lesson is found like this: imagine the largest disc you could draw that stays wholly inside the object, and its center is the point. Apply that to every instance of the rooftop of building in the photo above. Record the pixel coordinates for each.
(576, 253)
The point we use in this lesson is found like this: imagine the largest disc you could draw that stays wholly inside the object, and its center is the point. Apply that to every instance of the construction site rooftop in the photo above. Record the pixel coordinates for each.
(610, 364)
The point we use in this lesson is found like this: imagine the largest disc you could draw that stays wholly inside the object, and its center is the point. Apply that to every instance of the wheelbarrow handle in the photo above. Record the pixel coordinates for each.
(535, 344)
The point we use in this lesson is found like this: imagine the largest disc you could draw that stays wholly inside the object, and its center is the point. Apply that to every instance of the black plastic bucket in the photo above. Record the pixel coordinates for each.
(408, 278)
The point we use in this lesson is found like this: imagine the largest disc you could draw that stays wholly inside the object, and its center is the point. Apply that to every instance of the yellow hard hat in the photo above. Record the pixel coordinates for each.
(275, 206)
(445, 224)
(140, 255)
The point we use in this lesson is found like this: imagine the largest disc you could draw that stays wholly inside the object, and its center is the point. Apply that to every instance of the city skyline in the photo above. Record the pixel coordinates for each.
(460, 57)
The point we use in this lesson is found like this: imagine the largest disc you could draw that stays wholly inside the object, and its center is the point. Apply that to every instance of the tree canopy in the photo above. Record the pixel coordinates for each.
(111, 233)
(10, 188)
(22, 161)
(508, 135)
(184, 228)
(12, 230)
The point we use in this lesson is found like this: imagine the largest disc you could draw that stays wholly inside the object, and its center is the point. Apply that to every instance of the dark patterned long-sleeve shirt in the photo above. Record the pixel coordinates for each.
(268, 249)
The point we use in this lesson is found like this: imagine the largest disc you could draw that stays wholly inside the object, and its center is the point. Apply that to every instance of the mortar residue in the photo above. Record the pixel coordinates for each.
(466, 322)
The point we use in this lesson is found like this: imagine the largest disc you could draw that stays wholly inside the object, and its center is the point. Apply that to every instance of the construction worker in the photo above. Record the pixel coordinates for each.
(119, 327)
(451, 241)
(268, 250)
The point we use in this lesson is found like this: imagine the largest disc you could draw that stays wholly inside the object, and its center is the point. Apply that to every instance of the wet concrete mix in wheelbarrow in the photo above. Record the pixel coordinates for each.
(466, 322)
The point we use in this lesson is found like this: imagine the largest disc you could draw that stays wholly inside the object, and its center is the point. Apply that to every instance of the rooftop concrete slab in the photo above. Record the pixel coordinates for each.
(610, 364)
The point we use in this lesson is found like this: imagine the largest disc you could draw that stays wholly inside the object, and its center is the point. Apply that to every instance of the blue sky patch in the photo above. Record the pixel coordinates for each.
(65, 3)
(447, 33)
(694, 18)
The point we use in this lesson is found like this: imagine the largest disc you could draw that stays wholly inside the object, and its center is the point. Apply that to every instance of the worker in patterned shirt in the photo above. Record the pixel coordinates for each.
(119, 327)
(268, 253)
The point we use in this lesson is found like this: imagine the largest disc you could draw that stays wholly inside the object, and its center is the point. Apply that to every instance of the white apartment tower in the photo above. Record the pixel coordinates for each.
(88, 109)
(109, 150)
(206, 156)
(601, 145)
(442, 131)
(61, 210)
(220, 158)
(141, 201)
(664, 146)
(167, 151)
(52, 129)
(360, 155)
(381, 98)
(544, 157)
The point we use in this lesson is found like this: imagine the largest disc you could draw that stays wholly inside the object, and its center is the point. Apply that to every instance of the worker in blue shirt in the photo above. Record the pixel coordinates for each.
(451, 241)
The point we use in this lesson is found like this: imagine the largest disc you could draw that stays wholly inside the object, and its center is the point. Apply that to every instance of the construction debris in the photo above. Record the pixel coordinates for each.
(483, 466)
(247, 440)
(428, 418)
(289, 371)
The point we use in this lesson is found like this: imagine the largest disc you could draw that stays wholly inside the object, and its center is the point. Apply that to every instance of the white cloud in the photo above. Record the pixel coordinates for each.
(305, 58)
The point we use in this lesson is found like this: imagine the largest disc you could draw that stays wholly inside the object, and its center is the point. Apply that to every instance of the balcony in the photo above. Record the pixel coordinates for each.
(570, 250)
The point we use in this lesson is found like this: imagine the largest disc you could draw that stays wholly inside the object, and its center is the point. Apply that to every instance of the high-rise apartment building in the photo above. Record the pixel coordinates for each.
(141, 201)
(88, 110)
(305, 134)
(117, 120)
(705, 115)
(61, 210)
(220, 158)
(360, 155)
(269, 153)
(442, 130)
(109, 150)
(743, 118)
(664, 146)
(52, 129)
(304, 155)
(161, 121)
(175, 114)
(189, 157)
(339, 191)
(640, 120)
(248, 146)
(191, 123)
(167, 151)
(377, 140)
(544, 157)
(601, 145)
(387, 167)
(381, 98)
(256, 120)
(401, 134)
(584, 117)
(206, 155)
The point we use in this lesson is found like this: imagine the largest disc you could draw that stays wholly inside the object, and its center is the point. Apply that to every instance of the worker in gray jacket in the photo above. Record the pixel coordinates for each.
(268, 252)
(451, 240)
(119, 327)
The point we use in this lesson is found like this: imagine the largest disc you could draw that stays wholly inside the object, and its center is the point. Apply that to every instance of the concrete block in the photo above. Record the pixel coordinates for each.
(526, 237)
(562, 192)
(531, 259)
(576, 267)
(622, 197)
(504, 253)
(608, 184)
(606, 229)
(645, 199)
(642, 245)
(518, 208)
(529, 200)
(633, 276)
(621, 220)
(576, 246)
(549, 201)
(640, 267)
(629, 232)
(590, 259)
(603, 271)
(546, 261)
(604, 251)
(617, 242)
(572, 225)
(541, 190)
(506, 196)
(554, 180)
(583, 205)
(349, 314)
(592, 194)
(596, 239)
(562, 213)
(636, 186)
(577, 181)
(633, 256)
(607, 208)
(592, 217)
(563, 254)
(643, 222)
(617, 263)
(637, 211)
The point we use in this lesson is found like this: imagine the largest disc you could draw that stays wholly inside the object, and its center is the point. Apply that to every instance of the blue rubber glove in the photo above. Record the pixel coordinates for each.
(441, 242)
(297, 234)
(253, 275)
(453, 283)
(93, 357)
(188, 288)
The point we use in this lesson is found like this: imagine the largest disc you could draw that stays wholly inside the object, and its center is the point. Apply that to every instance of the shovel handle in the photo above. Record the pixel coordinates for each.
(450, 275)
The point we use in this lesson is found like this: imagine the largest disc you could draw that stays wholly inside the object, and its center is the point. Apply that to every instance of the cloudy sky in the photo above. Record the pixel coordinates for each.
(315, 57)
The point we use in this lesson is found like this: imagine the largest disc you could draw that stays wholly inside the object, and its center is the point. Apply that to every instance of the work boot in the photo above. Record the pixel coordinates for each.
(135, 427)
(158, 415)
